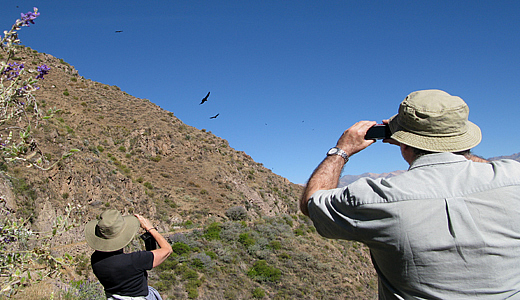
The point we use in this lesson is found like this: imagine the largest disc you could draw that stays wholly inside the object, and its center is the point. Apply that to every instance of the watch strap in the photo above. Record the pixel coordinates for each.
(340, 152)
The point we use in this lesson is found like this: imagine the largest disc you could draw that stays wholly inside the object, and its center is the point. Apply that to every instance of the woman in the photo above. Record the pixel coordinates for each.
(123, 275)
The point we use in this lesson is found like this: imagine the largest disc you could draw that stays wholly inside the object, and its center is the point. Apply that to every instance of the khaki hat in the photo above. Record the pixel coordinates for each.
(112, 231)
(436, 121)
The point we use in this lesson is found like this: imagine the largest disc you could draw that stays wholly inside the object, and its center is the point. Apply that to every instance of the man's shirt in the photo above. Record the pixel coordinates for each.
(449, 228)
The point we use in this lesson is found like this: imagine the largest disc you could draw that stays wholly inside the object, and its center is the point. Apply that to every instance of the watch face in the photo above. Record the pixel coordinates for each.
(333, 151)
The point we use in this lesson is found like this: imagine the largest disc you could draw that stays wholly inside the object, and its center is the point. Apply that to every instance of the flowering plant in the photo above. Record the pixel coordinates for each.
(19, 111)
(18, 259)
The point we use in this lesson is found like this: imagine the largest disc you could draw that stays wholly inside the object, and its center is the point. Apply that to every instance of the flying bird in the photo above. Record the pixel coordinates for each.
(214, 117)
(204, 99)
(119, 31)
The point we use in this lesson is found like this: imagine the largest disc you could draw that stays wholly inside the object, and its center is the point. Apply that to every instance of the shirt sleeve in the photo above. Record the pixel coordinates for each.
(356, 212)
(329, 211)
(143, 260)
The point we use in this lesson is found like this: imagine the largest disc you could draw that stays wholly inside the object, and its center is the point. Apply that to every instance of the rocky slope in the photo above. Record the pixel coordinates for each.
(136, 157)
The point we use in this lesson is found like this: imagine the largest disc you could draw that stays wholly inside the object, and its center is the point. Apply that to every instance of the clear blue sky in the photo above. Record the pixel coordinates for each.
(288, 77)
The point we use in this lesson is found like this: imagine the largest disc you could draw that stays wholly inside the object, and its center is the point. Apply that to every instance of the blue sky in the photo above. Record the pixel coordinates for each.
(288, 77)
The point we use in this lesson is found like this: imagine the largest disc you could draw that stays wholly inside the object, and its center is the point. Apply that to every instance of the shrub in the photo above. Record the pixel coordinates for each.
(190, 274)
(275, 245)
(246, 240)
(180, 248)
(169, 264)
(193, 293)
(212, 232)
(263, 272)
(231, 231)
(202, 261)
(211, 254)
(258, 293)
(299, 232)
(237, 213)
(84, 290)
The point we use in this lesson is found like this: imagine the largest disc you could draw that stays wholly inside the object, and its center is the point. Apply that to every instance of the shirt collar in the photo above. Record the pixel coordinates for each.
(437, 158)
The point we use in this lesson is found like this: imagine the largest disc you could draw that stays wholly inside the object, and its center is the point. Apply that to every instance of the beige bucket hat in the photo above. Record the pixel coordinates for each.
(112, 231)
(436, 121)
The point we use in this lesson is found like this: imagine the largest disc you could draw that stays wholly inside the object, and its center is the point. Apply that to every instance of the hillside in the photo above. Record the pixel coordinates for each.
(223, 211)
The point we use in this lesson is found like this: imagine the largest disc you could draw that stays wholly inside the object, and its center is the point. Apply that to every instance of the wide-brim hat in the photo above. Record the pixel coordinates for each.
(111, 231)
(436, 121)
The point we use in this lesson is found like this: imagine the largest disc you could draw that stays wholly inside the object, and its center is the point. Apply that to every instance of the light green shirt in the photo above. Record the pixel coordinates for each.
(449, 228)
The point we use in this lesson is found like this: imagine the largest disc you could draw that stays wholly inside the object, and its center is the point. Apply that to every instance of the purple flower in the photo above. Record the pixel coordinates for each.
(12, 70)
(29, 17)
(42, 70)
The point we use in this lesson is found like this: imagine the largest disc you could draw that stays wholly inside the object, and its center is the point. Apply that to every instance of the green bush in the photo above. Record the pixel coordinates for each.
(197, 263)
(275, 245)
(190, 274)
(299, 232)
(193, 293)
(258, 293)
(246, 240)
(169, 264)
(212, 232)
(263, 272)
(211, 254)
(180, 248)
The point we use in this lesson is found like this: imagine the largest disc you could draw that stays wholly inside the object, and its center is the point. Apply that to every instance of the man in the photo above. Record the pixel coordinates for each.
(448, 228)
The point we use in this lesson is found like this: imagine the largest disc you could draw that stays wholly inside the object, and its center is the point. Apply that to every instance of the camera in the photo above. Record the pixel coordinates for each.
(378, 132)
(149, 241)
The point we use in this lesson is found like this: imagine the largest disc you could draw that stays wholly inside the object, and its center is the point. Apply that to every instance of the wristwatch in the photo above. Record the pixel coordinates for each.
(338, 151)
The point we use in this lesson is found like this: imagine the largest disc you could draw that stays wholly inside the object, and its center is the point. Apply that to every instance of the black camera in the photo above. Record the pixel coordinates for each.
(149, 241)
(378, 132)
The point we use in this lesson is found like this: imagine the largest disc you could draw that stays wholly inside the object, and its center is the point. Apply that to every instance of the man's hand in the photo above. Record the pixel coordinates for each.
(390, 141)
(326, 175)
(353, 139)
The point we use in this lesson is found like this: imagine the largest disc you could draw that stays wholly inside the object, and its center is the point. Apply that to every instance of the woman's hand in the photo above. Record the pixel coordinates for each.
(165, 249)
(145, 224)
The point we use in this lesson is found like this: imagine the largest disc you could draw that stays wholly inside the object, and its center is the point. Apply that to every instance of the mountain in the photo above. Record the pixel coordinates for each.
(225, 213)
(347, 179)
(515, 156)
